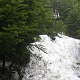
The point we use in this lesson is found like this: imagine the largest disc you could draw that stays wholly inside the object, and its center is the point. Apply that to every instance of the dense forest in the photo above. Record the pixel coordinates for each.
(69, 14)
(21, 21)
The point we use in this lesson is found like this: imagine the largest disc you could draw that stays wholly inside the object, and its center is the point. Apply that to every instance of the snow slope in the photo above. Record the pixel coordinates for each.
(54, 60)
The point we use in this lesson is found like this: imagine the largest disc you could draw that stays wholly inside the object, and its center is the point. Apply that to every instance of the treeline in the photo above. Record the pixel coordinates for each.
(73, 20)
(70, 15)
(20, 22)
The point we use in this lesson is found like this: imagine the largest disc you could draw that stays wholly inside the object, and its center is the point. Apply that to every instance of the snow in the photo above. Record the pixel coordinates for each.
(54, 60)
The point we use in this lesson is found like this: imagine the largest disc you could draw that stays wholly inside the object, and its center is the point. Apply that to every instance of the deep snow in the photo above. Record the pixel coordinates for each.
(54, 60)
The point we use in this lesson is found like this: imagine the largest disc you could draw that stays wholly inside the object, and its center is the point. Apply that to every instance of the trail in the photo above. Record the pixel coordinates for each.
(58, 59)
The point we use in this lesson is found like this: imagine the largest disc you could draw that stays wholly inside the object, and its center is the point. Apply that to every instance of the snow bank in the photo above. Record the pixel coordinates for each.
(54, 60)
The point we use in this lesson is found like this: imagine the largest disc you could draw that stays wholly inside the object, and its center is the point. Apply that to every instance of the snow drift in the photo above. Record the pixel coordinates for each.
(54, 60)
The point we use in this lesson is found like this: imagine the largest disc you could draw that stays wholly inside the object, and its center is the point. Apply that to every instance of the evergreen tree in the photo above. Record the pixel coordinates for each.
(73, 20)
(63, 7)
(20, 22)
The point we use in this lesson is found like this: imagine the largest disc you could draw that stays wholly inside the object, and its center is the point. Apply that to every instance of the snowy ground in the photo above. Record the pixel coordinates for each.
(58, 60)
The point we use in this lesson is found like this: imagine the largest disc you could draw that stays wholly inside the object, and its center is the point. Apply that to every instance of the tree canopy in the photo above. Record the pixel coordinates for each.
(70, 15)
(73, 20)
(20, 22)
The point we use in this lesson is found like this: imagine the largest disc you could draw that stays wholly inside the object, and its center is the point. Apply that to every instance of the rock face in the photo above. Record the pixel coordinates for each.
(54, 60)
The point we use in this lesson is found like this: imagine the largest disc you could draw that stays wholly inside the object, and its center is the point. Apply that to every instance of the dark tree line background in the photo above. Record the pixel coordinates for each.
(22, 20)
(70, 15)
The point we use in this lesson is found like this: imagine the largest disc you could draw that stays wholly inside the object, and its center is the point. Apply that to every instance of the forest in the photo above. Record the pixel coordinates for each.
(21, 23)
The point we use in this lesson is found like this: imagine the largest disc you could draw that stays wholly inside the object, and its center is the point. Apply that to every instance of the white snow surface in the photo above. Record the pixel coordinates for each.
(54, 60)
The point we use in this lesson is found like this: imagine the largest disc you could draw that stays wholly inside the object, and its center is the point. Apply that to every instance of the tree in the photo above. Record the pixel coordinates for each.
(63, 7)
(73, 20)
(20, 22)
(60, 27)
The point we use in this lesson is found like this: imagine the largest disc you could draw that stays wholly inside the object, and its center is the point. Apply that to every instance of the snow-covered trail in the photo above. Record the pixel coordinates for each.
(60, 62)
